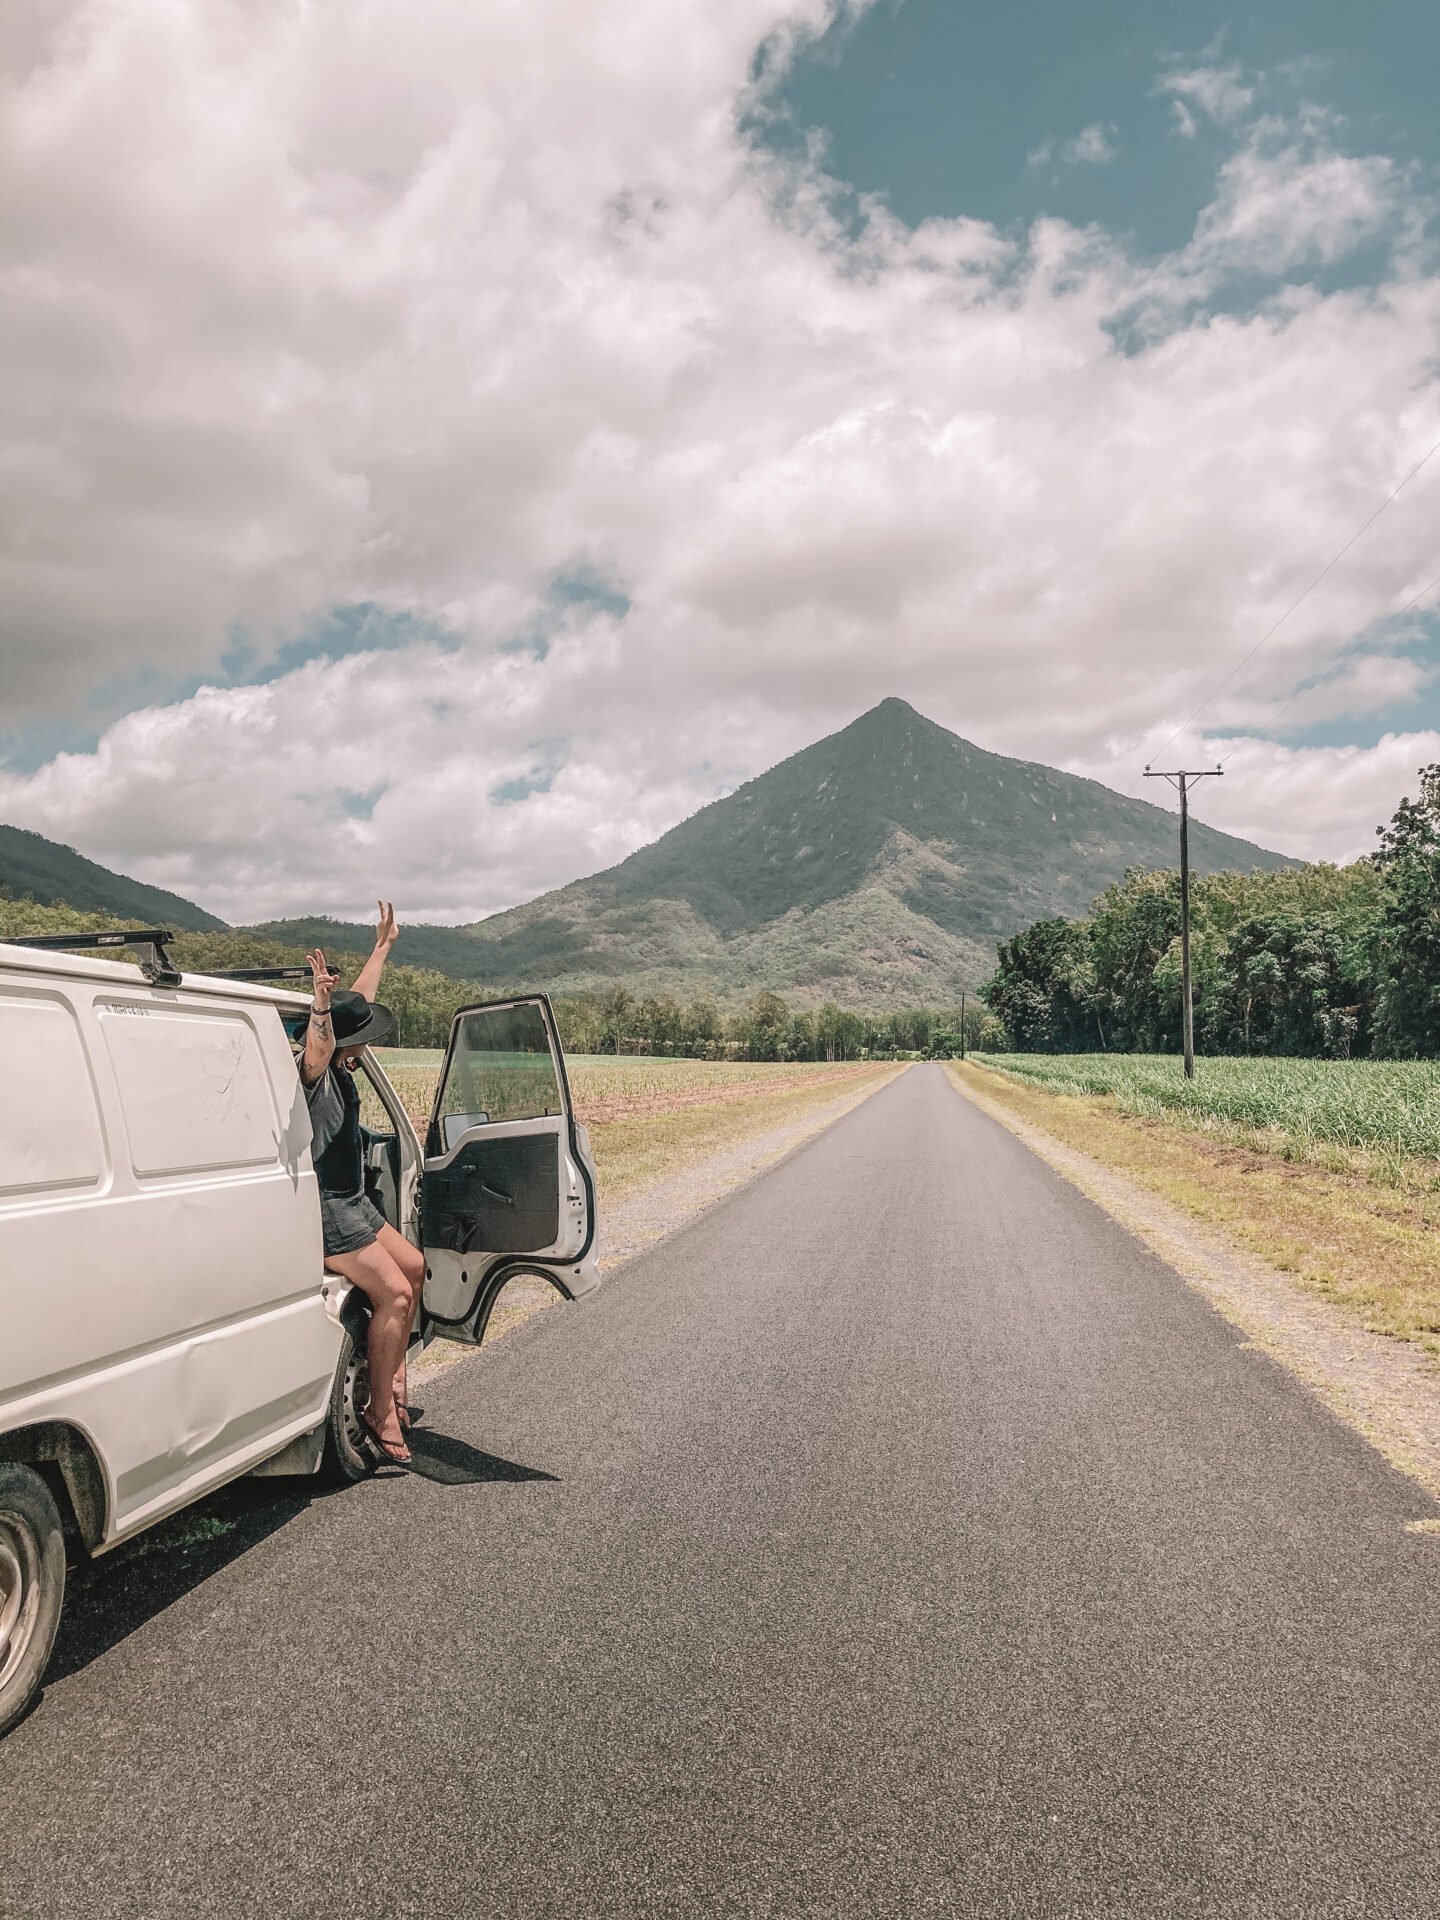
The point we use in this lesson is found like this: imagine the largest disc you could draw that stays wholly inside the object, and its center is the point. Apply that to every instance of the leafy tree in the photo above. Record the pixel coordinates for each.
(617, 1009)
(1288, 985)
(703, 1028)
(1043, 989)
(764, 1026)
(1134, 927)
(1408, 941)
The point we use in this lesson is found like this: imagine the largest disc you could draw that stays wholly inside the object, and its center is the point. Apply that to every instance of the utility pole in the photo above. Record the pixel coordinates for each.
(1180, 780)
(962, 1023)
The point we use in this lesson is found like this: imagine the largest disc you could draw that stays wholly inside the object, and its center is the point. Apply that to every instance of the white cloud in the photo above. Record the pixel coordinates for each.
(1332, 797)
(1221, 93)
(1284, 205)
(1093, 146)
(316, 310)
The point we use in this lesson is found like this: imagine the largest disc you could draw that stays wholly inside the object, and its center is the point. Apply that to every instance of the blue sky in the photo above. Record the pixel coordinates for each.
(947, 109)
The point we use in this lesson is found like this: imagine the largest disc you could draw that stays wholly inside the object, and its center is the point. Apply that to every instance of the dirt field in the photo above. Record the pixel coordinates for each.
(650, 1118)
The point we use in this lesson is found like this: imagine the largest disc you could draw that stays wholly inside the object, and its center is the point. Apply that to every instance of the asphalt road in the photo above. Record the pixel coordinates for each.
(902, 1539)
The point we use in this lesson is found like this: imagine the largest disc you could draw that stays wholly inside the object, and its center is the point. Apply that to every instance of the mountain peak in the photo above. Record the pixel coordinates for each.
(892, 726)
(891, 714)
(883, 862)
(886, 859)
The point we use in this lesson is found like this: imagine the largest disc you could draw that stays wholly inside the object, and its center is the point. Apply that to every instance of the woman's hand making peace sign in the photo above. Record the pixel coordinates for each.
(322, 980)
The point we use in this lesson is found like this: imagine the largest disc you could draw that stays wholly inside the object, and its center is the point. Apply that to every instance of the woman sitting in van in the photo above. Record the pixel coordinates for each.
(360, 1244)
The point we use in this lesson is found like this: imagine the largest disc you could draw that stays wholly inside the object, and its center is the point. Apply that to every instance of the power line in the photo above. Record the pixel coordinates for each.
(1324, 571)
(1366, 640)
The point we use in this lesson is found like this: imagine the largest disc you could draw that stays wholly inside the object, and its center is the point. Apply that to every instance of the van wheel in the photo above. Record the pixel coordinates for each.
(32, 1585)
(347, 1458)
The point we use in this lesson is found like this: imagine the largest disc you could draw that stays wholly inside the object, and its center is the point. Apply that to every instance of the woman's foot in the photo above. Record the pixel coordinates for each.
(389, 1444)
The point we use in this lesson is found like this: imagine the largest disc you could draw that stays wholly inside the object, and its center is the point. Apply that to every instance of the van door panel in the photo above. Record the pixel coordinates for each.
(499, 1196)
(503, 1178)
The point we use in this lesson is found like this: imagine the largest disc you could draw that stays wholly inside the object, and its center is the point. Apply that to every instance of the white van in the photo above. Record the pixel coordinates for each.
(166, 1323)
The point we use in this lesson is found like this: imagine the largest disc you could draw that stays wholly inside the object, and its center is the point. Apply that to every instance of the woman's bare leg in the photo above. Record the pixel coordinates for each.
(388, 1290)
(411, 1262)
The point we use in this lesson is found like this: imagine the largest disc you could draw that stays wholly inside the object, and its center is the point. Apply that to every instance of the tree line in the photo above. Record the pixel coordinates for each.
(613, 1021)
(1338, 962)
(765, 1028)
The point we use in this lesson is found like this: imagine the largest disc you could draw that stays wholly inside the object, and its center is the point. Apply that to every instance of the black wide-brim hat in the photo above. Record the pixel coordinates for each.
(356, 1021)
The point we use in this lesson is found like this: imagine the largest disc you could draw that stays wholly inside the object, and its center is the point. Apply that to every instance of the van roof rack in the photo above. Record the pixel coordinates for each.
(264, 973)
(157, 966)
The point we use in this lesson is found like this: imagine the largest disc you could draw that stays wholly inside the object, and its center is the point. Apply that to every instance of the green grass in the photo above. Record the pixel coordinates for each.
(1386, 1108)
(390, 1057)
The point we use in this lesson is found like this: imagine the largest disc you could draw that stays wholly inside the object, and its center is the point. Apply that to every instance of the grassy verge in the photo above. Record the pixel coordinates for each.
(1379, 1118)
(1363, 1235)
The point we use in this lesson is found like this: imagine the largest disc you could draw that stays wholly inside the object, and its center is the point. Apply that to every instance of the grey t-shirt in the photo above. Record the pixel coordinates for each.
(334, 1104)
(327, 1110)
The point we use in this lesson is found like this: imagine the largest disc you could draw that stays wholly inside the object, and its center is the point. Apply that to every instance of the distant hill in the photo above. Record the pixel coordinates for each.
(47, 872)
(881, 864)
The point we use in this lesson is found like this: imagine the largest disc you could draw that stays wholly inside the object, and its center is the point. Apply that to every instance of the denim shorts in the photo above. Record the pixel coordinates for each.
(349, 1221)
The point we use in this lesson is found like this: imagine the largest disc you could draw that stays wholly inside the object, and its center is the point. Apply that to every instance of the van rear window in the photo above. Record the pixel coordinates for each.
(193, 1086)
(49, 1125)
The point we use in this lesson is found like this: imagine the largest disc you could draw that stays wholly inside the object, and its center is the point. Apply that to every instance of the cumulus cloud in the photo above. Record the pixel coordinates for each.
(1093, 146)
(1221, 93)
(1331, 797)
(657, 462)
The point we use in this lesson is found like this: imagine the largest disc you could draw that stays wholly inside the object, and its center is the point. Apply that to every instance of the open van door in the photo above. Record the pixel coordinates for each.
(508, 1185)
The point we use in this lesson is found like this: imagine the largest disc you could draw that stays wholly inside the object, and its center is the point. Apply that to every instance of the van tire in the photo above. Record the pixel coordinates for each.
(347, 1459)
(32, 1586)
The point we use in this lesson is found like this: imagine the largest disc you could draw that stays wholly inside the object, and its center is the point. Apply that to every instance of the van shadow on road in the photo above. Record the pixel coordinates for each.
(108, 1599)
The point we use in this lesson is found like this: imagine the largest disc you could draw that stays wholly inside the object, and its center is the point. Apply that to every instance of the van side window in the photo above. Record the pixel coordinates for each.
(499, 1068)
(50, 1135)
(194, 1089)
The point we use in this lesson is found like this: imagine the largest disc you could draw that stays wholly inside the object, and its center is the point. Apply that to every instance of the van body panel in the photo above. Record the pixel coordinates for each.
(162, 1284)
(171, 1421)
(127, 1274)
(51, 1138)
(193, 1087)
(161, 1274)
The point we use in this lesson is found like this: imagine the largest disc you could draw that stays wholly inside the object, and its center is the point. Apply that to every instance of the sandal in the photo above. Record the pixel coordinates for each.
(409, 1416)
(396, 1452)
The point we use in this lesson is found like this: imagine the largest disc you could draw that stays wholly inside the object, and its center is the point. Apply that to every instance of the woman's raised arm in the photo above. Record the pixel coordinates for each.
(320, 1034)
(386, 934)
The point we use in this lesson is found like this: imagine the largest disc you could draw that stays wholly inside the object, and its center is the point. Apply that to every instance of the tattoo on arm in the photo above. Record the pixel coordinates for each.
(319, 1047)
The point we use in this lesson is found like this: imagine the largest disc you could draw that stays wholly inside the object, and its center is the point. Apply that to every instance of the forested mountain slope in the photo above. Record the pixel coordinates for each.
(883, 863)
(40, 869)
